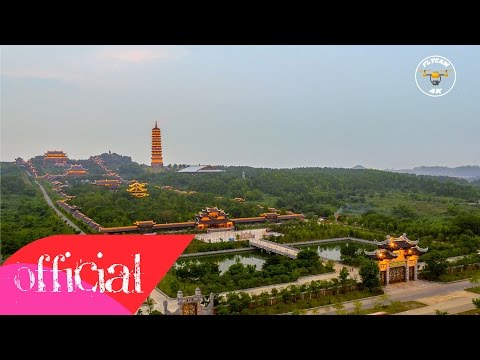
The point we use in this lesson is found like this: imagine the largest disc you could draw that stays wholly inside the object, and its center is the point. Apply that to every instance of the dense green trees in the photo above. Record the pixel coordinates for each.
(314, 188)
(24, 212)
(476, 302)
(352, 253)
(206, 275)
(119, 208)
(292, 299)
(436, 266)
(370, 274)
(295, 231)
(373, 203)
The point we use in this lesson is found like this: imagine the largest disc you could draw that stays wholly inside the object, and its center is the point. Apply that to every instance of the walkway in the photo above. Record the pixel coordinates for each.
(270, 246)
(303, 280)
(59, 213)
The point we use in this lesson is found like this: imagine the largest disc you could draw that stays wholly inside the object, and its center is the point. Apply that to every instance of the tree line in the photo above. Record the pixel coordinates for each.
(25, 214)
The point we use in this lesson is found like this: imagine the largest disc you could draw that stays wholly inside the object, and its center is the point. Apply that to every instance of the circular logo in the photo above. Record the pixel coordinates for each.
(435, 76)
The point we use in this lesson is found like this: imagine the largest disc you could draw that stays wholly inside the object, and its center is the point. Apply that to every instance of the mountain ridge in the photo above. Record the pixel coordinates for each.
(470, 172)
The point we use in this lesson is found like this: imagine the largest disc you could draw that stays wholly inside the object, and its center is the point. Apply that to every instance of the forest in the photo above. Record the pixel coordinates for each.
(443, 212)
(25, 216)
(380, 200)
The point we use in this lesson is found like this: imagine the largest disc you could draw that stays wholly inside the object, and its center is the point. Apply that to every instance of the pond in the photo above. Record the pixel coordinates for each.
(257, 258)
(331, 250)
(225, 261)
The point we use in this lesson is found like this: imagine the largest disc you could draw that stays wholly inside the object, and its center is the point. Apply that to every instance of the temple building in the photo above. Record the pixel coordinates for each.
(397, 259)
(111, 184)
(210, 219)
(157, 157)
(138, 189)
(76, 170)
(213, 218)
(55, 157)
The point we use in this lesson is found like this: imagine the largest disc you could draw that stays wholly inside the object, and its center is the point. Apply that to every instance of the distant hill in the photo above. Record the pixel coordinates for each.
(465, 172)
(359, 167)
(114, 160)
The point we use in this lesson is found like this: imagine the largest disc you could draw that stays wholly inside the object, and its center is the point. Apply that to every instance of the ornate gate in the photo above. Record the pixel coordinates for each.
(191, 305)
(411, 275)
(189, 309)
(383, 277)
(397, 274)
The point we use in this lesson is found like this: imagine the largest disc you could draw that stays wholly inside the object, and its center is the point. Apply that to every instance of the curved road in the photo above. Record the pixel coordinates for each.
(59, 213)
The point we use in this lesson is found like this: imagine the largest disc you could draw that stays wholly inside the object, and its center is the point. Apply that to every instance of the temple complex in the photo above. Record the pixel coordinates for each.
(397, 259)
(157, 157)
(55, 157)
(76, 170)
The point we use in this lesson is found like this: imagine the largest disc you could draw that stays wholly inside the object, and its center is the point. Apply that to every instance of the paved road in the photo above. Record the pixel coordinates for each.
(449, 297)
(59, 213)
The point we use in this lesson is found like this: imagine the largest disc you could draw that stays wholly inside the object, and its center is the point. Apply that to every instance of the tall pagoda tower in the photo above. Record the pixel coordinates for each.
(157, 158)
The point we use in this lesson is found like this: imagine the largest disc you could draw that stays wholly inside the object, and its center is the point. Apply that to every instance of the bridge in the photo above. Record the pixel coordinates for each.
(272, 247)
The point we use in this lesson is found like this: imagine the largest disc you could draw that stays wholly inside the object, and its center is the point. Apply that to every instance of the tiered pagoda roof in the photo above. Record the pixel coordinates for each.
(55, 154)
(137, 189)
(56, 157)
(390, 248)
(381, 254)
(212, 216)
(402, 242)
(76, 169)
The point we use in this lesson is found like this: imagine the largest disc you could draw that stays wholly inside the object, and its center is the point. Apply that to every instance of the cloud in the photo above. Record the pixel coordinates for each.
(141, 54)
(79, 63)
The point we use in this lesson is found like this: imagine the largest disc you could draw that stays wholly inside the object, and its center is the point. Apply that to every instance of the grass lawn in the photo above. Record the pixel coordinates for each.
(475, 290)
(392, 308)
(301, 306)
(459, 275)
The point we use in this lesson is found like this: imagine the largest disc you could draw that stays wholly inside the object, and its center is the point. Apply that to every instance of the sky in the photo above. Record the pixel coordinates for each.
(262, 106)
